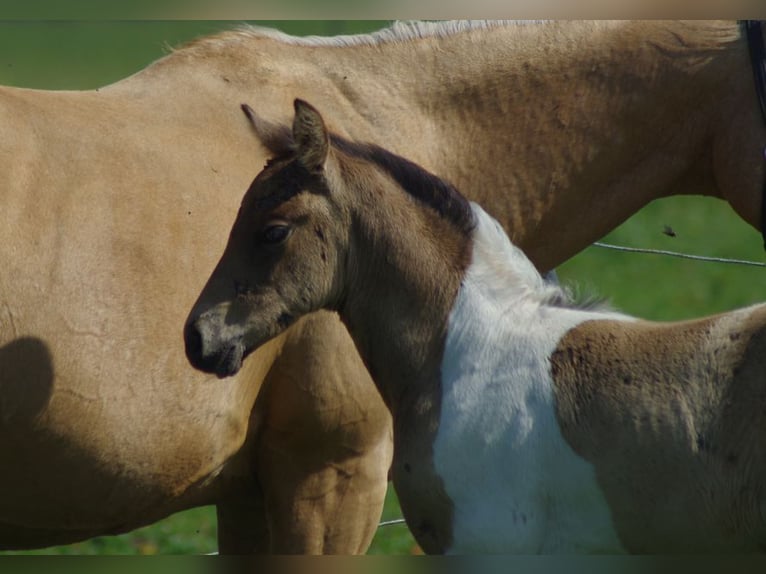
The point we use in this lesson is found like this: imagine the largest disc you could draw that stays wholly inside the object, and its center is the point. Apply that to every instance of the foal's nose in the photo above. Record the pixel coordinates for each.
(194, 348)
(211, 354)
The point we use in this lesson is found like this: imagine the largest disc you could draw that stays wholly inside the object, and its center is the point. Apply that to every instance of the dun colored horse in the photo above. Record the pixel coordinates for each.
(115, 201)
(522, 423)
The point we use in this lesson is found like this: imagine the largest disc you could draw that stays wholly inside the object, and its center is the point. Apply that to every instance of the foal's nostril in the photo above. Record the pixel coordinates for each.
(193, 343)
(224, 361)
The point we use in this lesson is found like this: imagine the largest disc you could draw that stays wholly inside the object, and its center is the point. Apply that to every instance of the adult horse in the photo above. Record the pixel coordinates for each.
(114, 202)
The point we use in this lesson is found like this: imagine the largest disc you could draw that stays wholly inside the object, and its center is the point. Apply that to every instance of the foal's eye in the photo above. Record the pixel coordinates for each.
(276, 233)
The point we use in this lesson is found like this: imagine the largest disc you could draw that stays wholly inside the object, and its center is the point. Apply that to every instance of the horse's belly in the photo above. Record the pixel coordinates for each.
(103, 423)
(99, 430)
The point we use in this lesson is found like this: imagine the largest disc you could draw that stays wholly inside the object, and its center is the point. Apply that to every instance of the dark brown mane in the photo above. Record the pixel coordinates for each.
(421, 184)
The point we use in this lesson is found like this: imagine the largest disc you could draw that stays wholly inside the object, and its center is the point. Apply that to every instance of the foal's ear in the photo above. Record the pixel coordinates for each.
(276, 137)
(310, 135)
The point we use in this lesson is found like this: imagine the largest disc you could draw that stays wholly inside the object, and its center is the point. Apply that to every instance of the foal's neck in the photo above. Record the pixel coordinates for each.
(404, 278)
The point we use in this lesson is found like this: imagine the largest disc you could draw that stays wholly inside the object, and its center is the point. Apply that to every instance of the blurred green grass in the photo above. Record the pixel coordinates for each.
(88, 54)
(665, 288)
(79, 55)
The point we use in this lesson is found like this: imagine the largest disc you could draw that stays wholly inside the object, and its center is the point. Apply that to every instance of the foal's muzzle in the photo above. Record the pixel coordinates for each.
(222, 359)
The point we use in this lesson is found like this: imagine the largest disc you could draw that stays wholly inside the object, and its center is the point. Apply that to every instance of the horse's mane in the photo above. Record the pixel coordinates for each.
(701, 35)
(434, 191)
(510, 272)
(421, 184)
(396, 32)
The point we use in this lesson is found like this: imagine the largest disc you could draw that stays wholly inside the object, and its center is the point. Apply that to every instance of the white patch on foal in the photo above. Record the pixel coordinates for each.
(516, 485)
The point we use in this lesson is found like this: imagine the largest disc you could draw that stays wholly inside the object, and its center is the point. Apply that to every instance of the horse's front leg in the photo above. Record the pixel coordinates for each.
(325, 444)
(241, 513)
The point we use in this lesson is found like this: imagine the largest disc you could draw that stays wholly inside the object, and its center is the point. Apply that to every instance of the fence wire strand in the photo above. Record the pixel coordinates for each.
(391, 522)
(681, 255)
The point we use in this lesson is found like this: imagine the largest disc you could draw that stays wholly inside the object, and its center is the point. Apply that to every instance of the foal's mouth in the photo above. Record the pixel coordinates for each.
(229, 361)
(223, 356)
(221, 360)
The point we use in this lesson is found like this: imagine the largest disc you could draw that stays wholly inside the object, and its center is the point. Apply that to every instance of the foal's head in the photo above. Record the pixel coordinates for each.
(284, 257)
(323, 215)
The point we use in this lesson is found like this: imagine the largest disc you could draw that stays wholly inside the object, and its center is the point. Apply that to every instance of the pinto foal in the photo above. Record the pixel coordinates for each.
(522, 424)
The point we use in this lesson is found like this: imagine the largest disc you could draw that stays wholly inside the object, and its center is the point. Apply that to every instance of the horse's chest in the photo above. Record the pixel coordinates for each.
(514, 484)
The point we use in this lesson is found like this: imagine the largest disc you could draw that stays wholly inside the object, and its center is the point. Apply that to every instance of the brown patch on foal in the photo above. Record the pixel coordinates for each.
(666, 413)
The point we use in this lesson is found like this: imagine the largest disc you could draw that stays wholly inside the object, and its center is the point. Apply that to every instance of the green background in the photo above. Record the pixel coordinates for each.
(79, 55)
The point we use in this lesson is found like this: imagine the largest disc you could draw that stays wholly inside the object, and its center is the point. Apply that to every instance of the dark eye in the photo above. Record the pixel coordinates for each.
(276, 233)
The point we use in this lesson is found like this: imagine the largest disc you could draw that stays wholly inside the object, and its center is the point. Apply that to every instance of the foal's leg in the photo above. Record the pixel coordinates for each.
(325, 443)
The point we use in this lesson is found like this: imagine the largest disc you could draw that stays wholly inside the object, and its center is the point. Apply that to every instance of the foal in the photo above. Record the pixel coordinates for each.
(521, 423)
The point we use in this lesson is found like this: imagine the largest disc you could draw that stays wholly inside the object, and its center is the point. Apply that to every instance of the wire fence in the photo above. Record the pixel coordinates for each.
(681, 255)
(392, 522)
